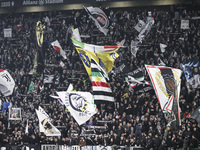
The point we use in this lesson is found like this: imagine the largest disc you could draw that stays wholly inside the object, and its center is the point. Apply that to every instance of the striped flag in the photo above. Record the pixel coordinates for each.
(104, 55)
(100, 84)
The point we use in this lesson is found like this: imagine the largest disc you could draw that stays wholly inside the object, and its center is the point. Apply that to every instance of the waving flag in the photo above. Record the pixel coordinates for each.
(96, 48)
(5, 106)
(162, 47)
(100, 84)
(143, 33)
(26, 130)
(191, 71)
(40, 109)
(58, 48)
(7, 83)
(104, 55)
(137, 83)
(165, 80)
(46, 126)
(99, 17)
(145, 30)
(140, 25)
(74, 33)
(80, 105)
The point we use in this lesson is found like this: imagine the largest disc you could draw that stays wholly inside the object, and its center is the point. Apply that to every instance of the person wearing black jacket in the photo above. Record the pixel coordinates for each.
(194, 142)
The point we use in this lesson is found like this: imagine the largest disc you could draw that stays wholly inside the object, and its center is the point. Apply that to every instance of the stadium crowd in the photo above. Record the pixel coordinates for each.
(132, 119)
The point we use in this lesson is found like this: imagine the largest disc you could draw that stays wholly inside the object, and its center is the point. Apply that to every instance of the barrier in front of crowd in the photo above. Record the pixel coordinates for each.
(76, 147)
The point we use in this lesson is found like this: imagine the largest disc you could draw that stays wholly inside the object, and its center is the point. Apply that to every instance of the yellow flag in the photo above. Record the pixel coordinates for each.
(106, 59)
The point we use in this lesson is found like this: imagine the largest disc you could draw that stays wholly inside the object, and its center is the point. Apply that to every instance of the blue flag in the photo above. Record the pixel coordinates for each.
(5, 106)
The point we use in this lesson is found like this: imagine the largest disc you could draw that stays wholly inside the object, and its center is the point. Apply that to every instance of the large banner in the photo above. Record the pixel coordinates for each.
(40, 54)
(165, 81)
(80, 105)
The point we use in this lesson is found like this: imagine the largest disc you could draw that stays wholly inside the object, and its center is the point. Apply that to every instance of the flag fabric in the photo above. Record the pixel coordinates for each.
(8, 32)
(26, 130)
(105, 57)
(40, 109)
(46, 126)
(196, 115)
(58, 48)
(134, 47)
(100, 18)
(185, 24)
(80, 105)
(5, 106)
(137, 74)
(7, 83)
(76, 34)
(140, 25)
(18, 27)
(176, 110)
(136, 81)
(162, 47)
(145, 30)
(100, 83)
(165, 80)
(160, 62)
(31, 87)
(40, 54)
(69, 89)
(96, 48)
(191, 69)
(47, 20)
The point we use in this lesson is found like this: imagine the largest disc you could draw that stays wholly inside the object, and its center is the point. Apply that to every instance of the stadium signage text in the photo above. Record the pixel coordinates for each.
(42, 2)
(20, 3)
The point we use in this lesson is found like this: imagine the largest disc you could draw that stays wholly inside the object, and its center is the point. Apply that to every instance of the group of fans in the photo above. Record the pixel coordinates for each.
(133, 119)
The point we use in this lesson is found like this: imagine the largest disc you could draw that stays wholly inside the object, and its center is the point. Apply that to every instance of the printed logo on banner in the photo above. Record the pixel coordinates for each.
(7, 77)
(169, 83)
(39, 33)
(84, 57)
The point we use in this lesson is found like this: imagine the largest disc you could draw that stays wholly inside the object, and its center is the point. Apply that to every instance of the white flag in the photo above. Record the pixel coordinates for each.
(8, 32)
(26, 131)
(140, 25)
(165, 80)
(185, 24)
(77, 35)
(99, 17)
(59, 49)
(134, 47)
(7, 83)
(46, 126)
(162, 47)
(80, 105)
(44, 113)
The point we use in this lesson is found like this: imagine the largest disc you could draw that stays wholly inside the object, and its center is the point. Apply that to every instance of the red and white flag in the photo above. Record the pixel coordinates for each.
(59, 49)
